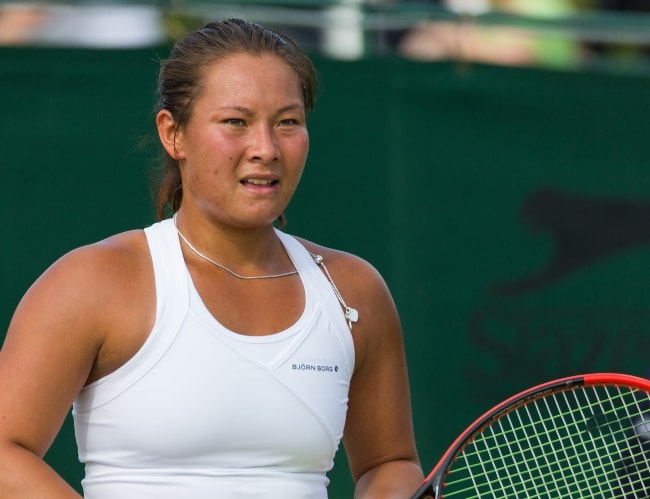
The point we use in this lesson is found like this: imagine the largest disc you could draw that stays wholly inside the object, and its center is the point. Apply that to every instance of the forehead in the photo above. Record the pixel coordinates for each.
(242, 73)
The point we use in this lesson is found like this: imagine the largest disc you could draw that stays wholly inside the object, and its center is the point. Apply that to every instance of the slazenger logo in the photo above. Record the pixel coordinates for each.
(584, 230)
(315, 367)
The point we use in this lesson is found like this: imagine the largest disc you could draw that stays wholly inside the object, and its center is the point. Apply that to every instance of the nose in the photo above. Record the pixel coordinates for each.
(264, 145)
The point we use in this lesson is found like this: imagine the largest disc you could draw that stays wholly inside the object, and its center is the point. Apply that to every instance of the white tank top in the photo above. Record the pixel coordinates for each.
(201, 412)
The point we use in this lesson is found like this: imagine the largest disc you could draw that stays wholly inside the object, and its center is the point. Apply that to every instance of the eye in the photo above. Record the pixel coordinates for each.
(289, 122)
(238, 122)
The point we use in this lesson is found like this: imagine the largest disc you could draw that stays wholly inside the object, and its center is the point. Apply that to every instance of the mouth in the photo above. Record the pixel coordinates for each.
(259, 182)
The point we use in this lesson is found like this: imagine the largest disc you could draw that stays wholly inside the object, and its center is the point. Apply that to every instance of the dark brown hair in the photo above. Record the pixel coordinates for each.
(180, 79)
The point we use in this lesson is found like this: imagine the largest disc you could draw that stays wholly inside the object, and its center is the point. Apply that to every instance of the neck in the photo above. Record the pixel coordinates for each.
(243, 254)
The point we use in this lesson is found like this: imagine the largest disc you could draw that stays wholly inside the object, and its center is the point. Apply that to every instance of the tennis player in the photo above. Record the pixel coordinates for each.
(213, 355)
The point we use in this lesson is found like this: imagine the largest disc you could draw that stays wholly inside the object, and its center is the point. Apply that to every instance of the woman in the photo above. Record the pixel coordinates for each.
(212, 355)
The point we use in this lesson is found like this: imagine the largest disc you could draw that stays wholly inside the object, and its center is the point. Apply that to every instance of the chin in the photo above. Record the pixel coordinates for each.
(260, 223)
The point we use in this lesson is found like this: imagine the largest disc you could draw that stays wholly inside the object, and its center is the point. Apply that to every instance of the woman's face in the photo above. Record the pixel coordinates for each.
(244, 147)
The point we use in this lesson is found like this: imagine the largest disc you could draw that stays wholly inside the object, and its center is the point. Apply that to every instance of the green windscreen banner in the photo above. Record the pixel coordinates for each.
(508, 209)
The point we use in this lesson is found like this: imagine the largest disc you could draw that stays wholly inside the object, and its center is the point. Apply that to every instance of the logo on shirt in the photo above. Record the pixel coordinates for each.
(318, 367)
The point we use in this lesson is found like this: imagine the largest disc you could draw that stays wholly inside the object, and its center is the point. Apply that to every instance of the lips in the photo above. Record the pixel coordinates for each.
(262, 182)
(259, 182)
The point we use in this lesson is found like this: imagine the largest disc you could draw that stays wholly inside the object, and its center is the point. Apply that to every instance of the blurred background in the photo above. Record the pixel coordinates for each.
(490, 158)
(557, 33)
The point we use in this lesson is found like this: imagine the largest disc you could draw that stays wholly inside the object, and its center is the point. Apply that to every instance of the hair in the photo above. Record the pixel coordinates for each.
(181, 74)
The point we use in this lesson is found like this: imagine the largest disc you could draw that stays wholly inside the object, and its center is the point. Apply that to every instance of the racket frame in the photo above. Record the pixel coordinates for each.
(431, 486)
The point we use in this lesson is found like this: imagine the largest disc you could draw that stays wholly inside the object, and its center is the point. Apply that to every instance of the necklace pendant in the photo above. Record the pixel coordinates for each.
(351, 314)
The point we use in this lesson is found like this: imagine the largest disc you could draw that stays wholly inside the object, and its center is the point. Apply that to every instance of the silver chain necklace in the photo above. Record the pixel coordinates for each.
(351, 314)
(217, 264)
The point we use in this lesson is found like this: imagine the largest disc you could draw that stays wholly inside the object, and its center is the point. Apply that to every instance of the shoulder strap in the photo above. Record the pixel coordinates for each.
(302, 258)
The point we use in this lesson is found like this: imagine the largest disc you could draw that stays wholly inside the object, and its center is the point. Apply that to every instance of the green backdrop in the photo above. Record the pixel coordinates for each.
(507, 208)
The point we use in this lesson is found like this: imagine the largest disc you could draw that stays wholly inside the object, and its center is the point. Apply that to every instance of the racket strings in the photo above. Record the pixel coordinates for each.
(533, 444)
(551, 416)
(576, 443)
(538, 488)
(558, 458)
(612, 409)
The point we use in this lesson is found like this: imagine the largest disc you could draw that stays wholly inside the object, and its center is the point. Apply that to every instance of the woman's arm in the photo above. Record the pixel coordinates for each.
(379, 436)
(380, 482)
(51, 349)
(45, 360)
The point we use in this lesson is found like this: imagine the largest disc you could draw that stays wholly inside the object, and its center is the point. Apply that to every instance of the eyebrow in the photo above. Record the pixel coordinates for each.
(249, 112)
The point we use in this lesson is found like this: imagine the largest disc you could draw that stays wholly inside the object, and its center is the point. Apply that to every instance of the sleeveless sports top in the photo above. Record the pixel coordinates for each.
(201, 412)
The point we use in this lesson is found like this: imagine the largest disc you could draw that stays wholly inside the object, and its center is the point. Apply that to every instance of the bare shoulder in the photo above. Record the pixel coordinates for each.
(363, 288)
(352, 270)
(125, 248)
(93, 297)
(92, 272)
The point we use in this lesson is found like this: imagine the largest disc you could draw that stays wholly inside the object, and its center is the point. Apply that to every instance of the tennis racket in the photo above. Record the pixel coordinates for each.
(578, 437)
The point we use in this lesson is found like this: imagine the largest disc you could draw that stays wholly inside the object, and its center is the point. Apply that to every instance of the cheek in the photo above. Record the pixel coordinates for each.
(215, 155)
(300, 148)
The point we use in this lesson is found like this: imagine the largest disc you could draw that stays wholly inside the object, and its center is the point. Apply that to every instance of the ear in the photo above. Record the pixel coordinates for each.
(170, 135)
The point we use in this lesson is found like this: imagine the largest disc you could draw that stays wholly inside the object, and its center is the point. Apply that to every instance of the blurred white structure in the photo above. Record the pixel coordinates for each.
(93, 26)
(343, 31)
(468, 7)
